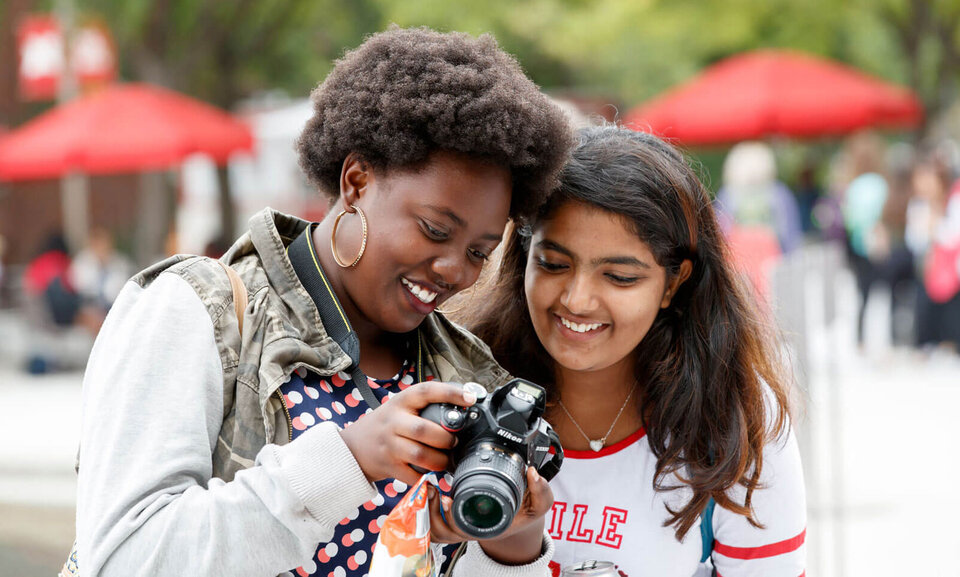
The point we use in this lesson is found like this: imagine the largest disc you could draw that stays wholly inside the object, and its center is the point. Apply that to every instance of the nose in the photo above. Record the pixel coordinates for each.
(577, 295)
(451, 271)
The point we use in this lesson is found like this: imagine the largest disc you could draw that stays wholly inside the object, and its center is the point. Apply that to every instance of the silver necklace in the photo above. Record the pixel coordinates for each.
(597, 444)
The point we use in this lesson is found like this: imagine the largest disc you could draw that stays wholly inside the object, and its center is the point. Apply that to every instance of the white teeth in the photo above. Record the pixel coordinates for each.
(580, 328)
(424, 295)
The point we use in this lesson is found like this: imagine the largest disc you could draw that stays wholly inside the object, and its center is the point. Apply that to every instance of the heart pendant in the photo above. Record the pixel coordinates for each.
(596, 445)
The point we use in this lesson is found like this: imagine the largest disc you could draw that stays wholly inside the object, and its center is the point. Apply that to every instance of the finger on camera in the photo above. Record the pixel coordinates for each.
(442, 529)
(425, 457)
(407, 474)
(538, 491)
(427, 432)
(428, 392)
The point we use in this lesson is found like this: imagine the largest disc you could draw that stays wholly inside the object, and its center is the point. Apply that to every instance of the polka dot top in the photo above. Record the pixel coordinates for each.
(311, 399)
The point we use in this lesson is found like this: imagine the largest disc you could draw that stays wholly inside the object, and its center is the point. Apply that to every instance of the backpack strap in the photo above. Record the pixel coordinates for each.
(239, 293)
(706, 521)
(706, 530)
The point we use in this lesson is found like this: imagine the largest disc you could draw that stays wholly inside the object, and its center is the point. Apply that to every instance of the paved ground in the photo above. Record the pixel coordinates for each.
(37, 482)
(39, 425)
(883, 470)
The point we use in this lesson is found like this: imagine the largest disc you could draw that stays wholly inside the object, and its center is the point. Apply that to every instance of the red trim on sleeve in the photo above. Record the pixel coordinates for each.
(771, 550)
(804, 574)
(614, 448)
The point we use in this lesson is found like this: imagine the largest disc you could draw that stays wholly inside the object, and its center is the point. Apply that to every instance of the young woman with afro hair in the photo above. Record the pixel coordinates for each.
(275, 436)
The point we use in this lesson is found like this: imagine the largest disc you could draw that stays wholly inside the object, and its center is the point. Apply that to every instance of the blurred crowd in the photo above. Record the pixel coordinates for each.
(64, 294)
(894, 207)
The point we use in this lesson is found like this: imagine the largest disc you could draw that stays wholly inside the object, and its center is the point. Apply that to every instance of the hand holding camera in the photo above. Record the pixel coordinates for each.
(500, 450)
(498, 439)
(391, 440)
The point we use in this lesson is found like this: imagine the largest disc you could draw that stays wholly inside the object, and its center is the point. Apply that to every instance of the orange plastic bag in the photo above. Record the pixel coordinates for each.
(403, 546)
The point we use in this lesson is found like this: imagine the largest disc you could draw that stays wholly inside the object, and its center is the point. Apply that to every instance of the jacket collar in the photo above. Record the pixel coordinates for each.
(451, 352)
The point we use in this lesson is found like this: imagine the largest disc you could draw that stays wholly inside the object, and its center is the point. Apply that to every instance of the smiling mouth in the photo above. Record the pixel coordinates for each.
(580, 327)
(423, 294)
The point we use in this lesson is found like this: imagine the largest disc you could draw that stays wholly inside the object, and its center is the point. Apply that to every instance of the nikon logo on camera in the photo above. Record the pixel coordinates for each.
(510, 436)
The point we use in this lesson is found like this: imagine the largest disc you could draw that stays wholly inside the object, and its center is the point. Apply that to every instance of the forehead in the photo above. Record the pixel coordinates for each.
(465, 185)
(590, 232)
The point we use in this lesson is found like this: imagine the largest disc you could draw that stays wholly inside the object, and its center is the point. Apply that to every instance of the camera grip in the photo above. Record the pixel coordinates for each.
(450, 417)
(549, 468)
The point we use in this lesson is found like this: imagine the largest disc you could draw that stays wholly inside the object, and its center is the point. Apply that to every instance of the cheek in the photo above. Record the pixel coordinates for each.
(536, 290)
(636, 315)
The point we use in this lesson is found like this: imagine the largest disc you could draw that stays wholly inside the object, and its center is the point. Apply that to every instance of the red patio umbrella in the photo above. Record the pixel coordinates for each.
(124, 128)
(775, 93)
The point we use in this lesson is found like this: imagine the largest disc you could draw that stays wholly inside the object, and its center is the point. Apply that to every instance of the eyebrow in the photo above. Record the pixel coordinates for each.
(623, 260)
(460, 222)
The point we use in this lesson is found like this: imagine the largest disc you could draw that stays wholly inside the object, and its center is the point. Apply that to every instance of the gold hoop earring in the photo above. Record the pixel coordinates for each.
(363, 241)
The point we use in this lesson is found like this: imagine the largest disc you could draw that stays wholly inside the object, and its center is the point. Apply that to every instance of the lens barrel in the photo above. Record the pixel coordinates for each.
(488, 486)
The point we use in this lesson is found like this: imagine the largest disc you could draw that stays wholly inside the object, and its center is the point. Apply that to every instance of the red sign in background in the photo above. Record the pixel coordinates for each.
(43, 57)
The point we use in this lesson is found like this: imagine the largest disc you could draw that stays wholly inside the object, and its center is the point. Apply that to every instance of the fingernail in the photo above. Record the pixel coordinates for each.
(535, 474)
(470, 398)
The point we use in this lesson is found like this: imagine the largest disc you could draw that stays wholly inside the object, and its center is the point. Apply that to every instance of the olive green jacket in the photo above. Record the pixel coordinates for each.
(282, 332)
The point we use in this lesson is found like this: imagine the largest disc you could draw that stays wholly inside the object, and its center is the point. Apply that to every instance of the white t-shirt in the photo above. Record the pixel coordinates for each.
(606, 509)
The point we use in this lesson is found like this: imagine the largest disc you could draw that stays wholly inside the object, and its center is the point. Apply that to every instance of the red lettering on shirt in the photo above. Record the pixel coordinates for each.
(559, 508)
(608, 536)
(577, 532)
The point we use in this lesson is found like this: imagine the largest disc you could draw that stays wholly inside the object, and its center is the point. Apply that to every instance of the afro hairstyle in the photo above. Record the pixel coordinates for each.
(405, 93)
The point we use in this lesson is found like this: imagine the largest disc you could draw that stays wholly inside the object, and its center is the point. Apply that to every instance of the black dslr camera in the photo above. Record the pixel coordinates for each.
(498, 438)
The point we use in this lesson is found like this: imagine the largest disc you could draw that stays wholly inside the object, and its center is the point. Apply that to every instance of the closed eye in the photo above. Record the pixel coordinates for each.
(478, 255)
(550, 266)
(432, 232)
(622, 280)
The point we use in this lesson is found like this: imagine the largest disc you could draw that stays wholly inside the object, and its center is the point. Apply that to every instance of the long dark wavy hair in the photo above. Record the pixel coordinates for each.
(714, 389)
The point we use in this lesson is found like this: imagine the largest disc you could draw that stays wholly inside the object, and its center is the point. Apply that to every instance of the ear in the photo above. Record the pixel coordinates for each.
(355, 176)
(686, 267)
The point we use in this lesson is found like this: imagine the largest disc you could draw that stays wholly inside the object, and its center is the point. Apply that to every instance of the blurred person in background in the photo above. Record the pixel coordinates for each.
(3, 277)
(757, 212)
(664, 383)
(216, 443)
(808, 194)
(933, 235)
(753, 197)
(892, 259)
(827, 213)
(99, 271)
(863, 205)
(62, 325)
(46, 281)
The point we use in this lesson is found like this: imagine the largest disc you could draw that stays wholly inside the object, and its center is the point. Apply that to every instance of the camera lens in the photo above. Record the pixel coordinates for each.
(487, 488)
(482, 511)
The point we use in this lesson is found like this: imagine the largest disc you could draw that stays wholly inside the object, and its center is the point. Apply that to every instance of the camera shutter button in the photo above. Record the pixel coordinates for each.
(454, 418)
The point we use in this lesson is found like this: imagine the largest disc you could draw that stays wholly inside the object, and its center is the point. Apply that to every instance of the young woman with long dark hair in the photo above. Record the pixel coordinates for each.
(666, 386)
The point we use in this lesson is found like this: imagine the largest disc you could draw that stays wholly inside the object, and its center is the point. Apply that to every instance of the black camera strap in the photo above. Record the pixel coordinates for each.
(549, 469)
(307, 266)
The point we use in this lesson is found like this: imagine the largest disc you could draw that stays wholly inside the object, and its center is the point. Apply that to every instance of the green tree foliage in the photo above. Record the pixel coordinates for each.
(225, 51)
(622, 50)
